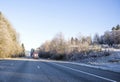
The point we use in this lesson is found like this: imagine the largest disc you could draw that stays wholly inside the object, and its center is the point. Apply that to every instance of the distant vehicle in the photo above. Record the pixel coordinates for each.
(35, 55)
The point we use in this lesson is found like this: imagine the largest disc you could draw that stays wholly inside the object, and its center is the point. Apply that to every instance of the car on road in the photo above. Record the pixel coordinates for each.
(35, 55)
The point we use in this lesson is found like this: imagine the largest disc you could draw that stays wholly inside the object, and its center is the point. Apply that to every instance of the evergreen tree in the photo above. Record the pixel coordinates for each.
(23, 50)
(113, 28)
(9, 44)
(118, 27)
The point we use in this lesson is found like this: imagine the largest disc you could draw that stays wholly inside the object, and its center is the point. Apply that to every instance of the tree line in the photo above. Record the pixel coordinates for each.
(79, 47)
(9, 40)
(59, 48)
(109, 37)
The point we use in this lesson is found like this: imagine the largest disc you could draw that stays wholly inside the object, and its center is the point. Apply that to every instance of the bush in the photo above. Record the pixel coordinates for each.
(88, 54)
(18, 55)
(44, 54)
(106, 53)
(58, 56)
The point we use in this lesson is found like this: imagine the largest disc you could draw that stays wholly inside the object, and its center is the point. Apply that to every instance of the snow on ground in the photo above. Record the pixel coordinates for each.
(111, 62)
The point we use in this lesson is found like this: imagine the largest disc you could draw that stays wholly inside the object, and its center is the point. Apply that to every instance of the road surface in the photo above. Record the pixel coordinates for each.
(38, 70)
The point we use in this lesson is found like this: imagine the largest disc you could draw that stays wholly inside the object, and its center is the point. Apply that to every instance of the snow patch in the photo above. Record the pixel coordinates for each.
(111, 62)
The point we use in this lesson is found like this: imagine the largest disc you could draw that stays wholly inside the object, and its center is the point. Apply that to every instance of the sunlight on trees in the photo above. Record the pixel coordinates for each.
(80, 46)
(9, 43)
(110, 37)
(58, 47)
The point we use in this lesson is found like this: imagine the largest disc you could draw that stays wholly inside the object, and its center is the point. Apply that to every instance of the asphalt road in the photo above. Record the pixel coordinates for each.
(33, 70)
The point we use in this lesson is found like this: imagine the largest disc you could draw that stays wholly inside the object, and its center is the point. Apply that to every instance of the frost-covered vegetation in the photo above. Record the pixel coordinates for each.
(80, 47)
(111, 38)
(9, 40)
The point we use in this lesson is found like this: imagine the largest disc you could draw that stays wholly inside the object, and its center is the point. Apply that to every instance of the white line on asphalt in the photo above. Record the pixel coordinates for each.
(38, 67)
(86, 73)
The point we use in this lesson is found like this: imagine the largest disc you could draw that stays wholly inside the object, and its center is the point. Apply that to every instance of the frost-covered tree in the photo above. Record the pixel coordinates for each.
(9, 43)
(96, 38)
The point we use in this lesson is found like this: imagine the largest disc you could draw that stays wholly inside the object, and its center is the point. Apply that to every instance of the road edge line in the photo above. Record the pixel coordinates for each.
(86, 73)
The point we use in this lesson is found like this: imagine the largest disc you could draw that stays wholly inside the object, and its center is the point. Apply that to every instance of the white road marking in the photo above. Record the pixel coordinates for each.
(86, 73)
(38, 67)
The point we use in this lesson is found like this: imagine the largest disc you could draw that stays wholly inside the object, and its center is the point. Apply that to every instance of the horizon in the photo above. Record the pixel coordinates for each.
(38, 21)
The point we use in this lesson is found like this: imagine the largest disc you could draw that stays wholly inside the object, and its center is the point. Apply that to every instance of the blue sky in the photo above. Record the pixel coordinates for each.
(39, 20)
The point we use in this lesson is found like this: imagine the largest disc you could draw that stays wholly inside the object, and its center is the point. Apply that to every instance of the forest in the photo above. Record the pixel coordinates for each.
(9, 40)
(80, 47)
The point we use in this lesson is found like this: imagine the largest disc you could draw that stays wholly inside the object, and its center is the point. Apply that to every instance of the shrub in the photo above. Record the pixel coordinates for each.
(58, 56)
(44, 54)
(106, 53)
